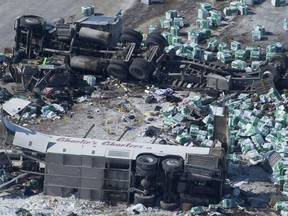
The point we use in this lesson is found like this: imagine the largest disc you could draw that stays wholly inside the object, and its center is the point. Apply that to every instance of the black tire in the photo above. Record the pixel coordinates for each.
(156, 39)
(269, 72)
(168, 206)
(141, 69)
(147, 201)
(172, 165)
(31, 22)
(142, 172)
(280, 61)
(118, 68)
(134, 33)
(127, 38)
(146, 162)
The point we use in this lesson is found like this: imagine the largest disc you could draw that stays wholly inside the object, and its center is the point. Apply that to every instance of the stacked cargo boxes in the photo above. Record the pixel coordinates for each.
(213, 44)
(255, 54)
(236, 8)
(205, 5)
(174, 30)
(285, 24)
(222, 46)
(258, 32)
(178, 21)
(225, 56)
(273, 48)
(278, 3)
(215, 18)
(170, 15)
(194, 36)
(194, 53)
(208, 56)
(238, 64)
(202, 23)
(87, 10)
(235, 45)
(241, 54)
(205, 33)
(231, 11)
(203, 13)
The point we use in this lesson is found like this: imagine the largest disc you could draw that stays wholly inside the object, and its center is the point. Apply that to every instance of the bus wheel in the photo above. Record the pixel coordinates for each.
(168, 206)
(172, 165)
(147, 201)
(146, 162)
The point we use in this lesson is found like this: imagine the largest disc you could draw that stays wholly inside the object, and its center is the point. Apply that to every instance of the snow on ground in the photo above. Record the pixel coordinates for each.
(55, 206)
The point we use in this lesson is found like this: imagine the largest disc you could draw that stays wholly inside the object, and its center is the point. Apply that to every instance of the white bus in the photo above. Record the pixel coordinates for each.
(106, 170)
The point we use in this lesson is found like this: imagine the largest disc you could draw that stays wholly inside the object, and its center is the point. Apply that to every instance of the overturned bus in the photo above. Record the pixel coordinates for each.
(151, 174)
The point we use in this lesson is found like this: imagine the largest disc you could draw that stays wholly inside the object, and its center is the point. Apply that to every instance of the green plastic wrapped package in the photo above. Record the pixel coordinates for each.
(198, 210)
(281, 205)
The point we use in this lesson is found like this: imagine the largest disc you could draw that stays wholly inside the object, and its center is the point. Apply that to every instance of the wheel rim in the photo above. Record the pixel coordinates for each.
(173, 163)
(31, 20)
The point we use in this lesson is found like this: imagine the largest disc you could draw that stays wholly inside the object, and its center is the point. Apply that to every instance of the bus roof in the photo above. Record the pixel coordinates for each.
(39, 142)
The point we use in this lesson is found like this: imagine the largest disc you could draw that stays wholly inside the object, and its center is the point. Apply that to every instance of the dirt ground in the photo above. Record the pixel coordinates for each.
(107, 111)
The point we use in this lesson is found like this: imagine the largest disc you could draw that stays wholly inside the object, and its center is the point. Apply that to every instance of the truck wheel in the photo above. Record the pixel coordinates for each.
(269, 72)
(146, 162)
(133, 32)
(156, 39)
(168, 206)
(280, 61)
(126, 38)
(147, 201)
(143, 172)
(172, 165)
(31, 22)
(118, 68)
(132, 36)
(141, 69)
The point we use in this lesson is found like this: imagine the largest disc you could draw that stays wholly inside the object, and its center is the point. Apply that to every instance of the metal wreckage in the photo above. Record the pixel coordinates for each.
(97, 45)
(114, 170)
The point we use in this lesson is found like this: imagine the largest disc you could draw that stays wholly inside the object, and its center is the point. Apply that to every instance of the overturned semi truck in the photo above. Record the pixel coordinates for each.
(151, 174)
(98, 45)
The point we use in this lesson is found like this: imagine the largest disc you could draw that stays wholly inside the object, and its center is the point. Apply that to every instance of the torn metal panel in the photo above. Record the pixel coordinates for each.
(26, 138)
(15, 105)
